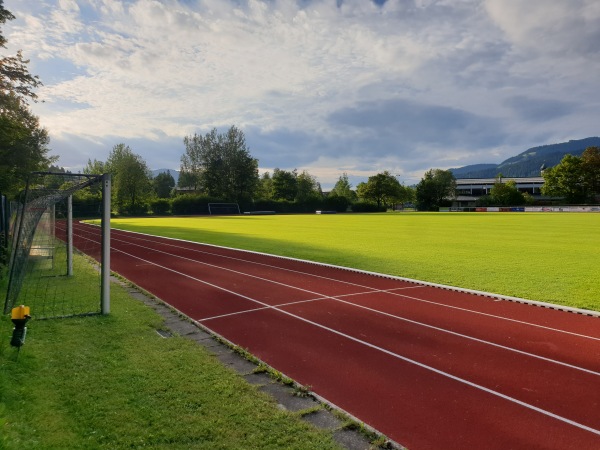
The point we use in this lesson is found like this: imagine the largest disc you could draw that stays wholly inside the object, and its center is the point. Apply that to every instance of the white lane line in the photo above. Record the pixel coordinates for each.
(372, 290)
(247, 311)
(558, 330)
(338, 298)
(493, 344)
(266, 265)
(383, 350)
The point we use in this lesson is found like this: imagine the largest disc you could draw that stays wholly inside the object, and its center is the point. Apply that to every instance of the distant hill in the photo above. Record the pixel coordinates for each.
(528, 163)
(174, 173)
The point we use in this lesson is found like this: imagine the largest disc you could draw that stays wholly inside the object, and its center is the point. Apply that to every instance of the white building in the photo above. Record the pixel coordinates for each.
(470, 189)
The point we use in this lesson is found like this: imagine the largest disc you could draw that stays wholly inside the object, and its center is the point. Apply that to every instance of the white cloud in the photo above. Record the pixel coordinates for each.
(556, 27)
(417, 83)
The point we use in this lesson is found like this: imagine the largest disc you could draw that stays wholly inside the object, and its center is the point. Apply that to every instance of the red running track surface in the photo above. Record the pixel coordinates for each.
(430, 368)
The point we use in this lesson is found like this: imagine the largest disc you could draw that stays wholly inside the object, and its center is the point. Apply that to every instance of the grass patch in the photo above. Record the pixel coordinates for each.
(113, 382)
(547, 257)
(49, 291)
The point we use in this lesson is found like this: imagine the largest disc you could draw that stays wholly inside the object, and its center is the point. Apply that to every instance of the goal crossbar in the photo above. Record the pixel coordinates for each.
(223, 208)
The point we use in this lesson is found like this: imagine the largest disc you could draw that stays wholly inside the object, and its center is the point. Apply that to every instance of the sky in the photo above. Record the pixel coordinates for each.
(327, 86)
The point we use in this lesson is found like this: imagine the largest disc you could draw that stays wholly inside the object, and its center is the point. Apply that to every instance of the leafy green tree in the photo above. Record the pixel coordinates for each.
(163, 184)
(343, 188)
(307, 187)
(15, 78)
(409, 195)
(192, 161)
(436, 188)
(576, 179)
(566, 179)
(188, 180)
(264, 190)
(23, 142)
(95, 167)
(221, 164)
(285, 184)
(131, 180)
(506, 194)
(383, 189)
(591, 172)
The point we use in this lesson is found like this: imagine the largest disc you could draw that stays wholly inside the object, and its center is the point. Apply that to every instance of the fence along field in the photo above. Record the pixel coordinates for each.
(549, 257)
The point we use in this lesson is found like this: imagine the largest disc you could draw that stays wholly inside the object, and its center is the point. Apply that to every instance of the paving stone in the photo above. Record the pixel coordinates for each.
(323, 419)
(352, 440)
(237, 363)
(284, 397)
(257, 378)
(181, 327)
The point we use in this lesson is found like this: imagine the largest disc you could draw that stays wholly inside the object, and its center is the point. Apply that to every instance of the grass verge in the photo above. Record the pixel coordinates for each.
(113, 382)
(539, 256)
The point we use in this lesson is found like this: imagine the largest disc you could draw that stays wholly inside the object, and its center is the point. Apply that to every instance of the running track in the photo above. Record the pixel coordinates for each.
(430, 368)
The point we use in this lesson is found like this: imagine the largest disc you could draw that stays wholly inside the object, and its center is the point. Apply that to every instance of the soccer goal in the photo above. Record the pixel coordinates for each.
(223, 208)
(46, 262)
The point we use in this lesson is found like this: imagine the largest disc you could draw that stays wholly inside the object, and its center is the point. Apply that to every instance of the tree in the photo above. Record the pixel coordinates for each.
(591, 172)
(506, 193)
(130, 179)
(163, 184)
(383, 189)
(577, 179)
(192, 161)
(264, 190)
(95, 167)
(436, 188)
(285, 184)
(307, 187)
(566, 179)
(220, 165)
(23, 142)
(15, 78)
(343, 188)
(188, 180)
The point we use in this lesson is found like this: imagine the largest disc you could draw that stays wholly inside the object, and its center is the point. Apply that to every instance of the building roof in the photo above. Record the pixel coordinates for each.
(518, 180)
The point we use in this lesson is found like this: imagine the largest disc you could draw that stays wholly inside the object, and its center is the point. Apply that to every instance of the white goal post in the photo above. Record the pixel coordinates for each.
(42, 247)
(223, 208)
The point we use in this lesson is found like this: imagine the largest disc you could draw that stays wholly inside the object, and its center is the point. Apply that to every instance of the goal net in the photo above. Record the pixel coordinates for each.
(223, 208)
(44, 266)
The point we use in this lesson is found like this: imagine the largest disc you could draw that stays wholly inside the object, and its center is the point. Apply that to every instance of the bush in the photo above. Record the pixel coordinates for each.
(309, 205)
(280, 206)
(367, 207)
(88, 206)
(139, 209)
(191, 204)
(336, 203)
(160, 206)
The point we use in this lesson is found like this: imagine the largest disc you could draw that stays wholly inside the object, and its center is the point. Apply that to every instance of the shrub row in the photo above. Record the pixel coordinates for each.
(190, 204)
(193, 204)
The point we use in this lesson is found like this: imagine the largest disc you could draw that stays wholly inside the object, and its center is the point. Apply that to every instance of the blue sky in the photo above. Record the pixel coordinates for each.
(329, 86)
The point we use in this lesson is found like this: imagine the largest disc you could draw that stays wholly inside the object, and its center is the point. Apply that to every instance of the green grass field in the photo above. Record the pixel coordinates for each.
(551, 257)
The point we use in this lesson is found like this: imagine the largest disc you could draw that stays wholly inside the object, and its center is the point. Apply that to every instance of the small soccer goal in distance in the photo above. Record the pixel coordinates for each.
(215, 209)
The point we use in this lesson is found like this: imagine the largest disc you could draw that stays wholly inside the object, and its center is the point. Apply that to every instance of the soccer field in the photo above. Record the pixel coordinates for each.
(550, 257)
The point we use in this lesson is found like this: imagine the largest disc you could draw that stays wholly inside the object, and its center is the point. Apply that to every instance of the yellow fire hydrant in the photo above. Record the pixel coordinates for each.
(19, 316)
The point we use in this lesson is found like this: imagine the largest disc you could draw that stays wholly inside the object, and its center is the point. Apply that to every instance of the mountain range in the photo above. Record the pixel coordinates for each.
(530, 162)
(525, 164)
